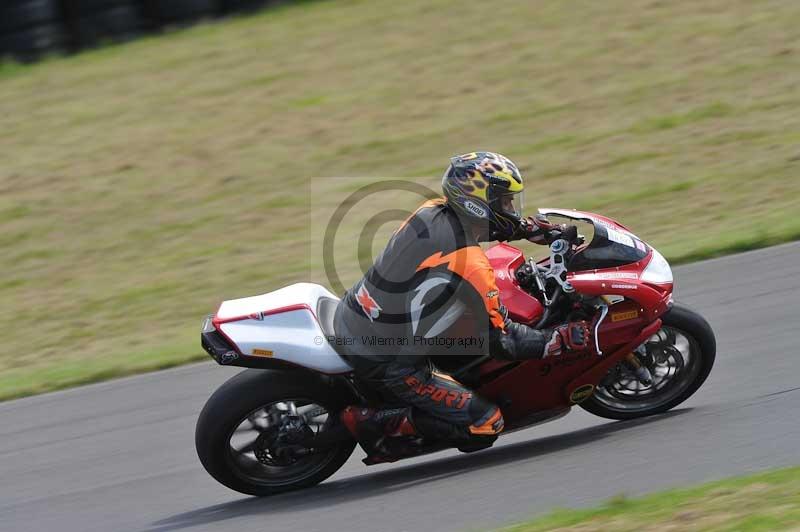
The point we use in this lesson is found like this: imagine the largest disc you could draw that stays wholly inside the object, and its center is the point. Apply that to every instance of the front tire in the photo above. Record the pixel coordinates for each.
(680, 364)
(245, 404)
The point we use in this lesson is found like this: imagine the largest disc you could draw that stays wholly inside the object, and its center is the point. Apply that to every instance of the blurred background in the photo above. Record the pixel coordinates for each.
(161, 156)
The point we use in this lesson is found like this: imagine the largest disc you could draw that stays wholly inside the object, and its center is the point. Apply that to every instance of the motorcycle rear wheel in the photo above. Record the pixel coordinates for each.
(238, 422)
(686, 349)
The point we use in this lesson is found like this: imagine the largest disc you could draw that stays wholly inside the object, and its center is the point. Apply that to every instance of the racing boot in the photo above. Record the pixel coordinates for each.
(465, 439)
(385, 435)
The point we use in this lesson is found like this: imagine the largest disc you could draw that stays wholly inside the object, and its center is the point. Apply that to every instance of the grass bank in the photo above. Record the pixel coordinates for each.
(141, 184)
(763, 502)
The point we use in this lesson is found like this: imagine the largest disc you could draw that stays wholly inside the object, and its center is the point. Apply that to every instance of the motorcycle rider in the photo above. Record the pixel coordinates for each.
(431, 275)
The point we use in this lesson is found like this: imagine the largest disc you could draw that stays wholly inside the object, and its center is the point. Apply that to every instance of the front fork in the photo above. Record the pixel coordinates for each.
(634, 362)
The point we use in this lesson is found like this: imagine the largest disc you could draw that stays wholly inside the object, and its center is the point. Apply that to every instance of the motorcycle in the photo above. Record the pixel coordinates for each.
(275, 427)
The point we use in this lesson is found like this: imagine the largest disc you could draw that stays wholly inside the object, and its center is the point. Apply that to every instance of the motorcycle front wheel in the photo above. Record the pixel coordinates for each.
(679, 357)
(244, 429)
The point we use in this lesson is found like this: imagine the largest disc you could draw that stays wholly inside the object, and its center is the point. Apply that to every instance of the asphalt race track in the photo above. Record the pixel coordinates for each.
(120, 456)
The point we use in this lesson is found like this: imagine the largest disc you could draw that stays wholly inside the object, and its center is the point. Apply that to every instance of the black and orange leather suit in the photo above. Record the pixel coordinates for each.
(403, 310)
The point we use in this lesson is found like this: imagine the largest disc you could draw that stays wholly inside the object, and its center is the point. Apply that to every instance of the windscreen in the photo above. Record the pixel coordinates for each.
(609, 248)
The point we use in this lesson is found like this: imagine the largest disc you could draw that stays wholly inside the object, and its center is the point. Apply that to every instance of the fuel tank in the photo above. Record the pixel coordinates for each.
(522, 307)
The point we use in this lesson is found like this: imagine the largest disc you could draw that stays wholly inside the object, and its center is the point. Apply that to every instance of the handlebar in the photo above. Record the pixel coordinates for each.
(540, 231)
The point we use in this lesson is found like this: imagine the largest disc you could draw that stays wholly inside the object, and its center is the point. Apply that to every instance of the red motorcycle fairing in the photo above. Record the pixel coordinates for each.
(557, 383)
(653, 299)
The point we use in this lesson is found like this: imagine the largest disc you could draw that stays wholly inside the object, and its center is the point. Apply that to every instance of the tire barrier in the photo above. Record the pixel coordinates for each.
(93, 22)
(23, 14)
(178, 12)
(30, 29)
(234, 6)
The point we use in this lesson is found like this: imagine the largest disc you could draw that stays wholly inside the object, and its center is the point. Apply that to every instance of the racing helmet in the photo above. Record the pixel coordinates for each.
(485, 187)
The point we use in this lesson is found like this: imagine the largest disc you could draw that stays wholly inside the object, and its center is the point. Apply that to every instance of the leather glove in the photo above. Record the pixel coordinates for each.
(573, 336)
(539, 230)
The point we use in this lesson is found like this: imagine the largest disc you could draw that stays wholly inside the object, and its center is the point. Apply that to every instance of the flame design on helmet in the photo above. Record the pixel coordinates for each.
(480, 179)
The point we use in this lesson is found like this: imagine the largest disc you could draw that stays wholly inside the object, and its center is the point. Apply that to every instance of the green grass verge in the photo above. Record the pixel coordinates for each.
(762, 502)
(143, 183)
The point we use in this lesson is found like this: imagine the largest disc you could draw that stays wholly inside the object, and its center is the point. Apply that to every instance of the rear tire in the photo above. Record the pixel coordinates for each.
(703, 344)
(245, 393)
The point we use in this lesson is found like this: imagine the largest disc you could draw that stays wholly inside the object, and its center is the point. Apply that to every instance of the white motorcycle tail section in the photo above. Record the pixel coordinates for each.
(289, 324)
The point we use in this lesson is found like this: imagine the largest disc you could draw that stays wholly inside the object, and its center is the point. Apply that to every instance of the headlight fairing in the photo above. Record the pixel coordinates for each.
(658, 270)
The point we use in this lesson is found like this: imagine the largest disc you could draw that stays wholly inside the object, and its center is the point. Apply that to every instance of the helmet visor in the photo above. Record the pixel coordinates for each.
(512, 203)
